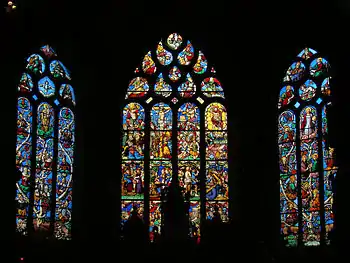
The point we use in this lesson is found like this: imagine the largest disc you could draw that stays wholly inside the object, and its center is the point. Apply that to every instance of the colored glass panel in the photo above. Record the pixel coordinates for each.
(308, 90)
(138, 87)
(133, 145)
(25, 84)
(133, 117)
(46, 87)
(161, 87)
(36, 64)
(161, 117)
(189, 179)
(308, 123)
(201, 65)
(174, 41)
(186, 55)
(44, 162)
(290, 228)
(216, 180)
(188, 88)
(128, 208)
(174, 74)
(295, 72)
(195, 219)
(217, 210)
(66, 93)
(188, 117)
(164, 56)
(160, 145)
(132, 179)
(148, 65)
(215, 117)
(307, 53)
(286, 127)
(48, 51)
(311, 227)
(59, 71)
(211, 87)
(155, 220)
(160, 178)
(325, 87)
(319, 67)
(286, 96)
(64, 179)
(23, 162)
(216, 145)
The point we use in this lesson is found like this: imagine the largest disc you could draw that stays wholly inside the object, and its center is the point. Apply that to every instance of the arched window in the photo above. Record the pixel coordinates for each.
(307, 165)
(174, 128)
(45, 146)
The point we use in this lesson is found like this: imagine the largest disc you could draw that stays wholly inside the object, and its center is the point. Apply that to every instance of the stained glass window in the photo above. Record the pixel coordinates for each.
(174, 108)
(46, 101)
(306, 216)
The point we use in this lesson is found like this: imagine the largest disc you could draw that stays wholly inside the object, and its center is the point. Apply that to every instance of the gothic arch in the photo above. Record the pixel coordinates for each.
(45, 146)
(307, 165)
(174, 107)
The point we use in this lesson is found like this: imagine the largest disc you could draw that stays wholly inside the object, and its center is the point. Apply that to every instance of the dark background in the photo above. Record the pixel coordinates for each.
(251, 44)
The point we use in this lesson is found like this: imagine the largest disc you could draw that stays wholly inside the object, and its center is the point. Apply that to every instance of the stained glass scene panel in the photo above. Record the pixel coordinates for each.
(133, 145)
(25, 84)
(188, 145)
(329, 221)
(148, 65)
(133, 117)
(44, 161)
(201, 65)
(36, 64)
(288, 194)
(160, 145)
(67, 93)
(286, 96)
(64, 181)
(308, 123)
(215, 117)
(138, 88)
(188, 117)
(286, 127)
(132, 179)
(155, 220)
(160, 178)
(308, 90)
(46, 87)
(161, 117)
(318, 67)
(23, 161)
(161, 87)
(295, 72)
(288, 162)
(211, 87)
(216, 145)
(186, 55)
(189, 179)
(290, 228)
(324, 120)
(128, 207)
(188, 88)
(58, 70)
(311, 227)
(216, 180)
(325, 87)
(217, 209)
(328, 191)
(195, 218)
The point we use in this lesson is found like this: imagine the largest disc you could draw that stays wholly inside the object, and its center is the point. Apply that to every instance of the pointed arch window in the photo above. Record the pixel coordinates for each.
(174, 128)
(45, 146)
(307, 164)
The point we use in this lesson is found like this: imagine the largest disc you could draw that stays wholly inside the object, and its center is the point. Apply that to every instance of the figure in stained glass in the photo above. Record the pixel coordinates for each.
(128, 207)
(188, 88)
(164, 57)
(67, 93)
(133, 117)
(215, 117)
(58, 70)
(188, 117)
(324, 120)
(36, 64)
(174, 41)
(311, 228)
(161, 117)
(201, 65)
(290, 225)
(46, 87)
(211, 87)
(308, 90)
(216, 145)
(287, 154)
(195, 219)
(319, 67)
(186, 55)
(288, 193)
(48, 51)
(325, 88)
(132, 180)
(217, 209)
(148, 65)
(307, 53)
(308, 123)
(286, 127)
(161, 87)
(155, 218)
(295, 72)
(189, 179)
(133, 145)
(188, 145)
(160, 178)
(25, 84)
(138, 87)
(160, 145)
(174, 74)
(217, 180)
(286, 96)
